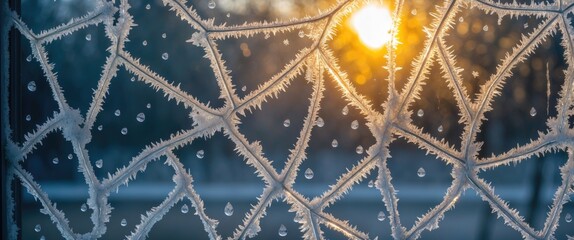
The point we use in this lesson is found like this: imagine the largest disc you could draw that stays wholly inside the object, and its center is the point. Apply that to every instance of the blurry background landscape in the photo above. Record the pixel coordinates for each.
(222, 176)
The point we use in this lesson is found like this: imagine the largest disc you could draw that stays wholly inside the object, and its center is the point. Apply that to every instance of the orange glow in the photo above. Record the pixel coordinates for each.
(373, 25)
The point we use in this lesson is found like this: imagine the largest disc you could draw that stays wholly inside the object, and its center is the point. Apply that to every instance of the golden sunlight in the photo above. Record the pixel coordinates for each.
(373, 25)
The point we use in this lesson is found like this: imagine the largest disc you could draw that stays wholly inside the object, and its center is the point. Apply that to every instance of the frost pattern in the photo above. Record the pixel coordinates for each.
(318, 64)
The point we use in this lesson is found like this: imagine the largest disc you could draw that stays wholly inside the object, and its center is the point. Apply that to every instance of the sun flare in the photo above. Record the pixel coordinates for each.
(373, 25)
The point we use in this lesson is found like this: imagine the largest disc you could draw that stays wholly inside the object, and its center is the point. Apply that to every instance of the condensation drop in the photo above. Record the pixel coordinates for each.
(32, 86)
(228, 15)
(282, 231)
(286, 42)
(421, 172)
(420, 113)
(55, 160)
(148, 105)
(381, 217)
(301, 34)
(148, 7)
(485, 28)
(244, 88)
(334, 143)
(70, 156)
(144, 42)
(371, 184)
(200, 154)
(440, 128)
(414, 12)
(532, 112)
(163, 35)
(309, 173)
(320, 122)
(461, 19)
(124, 223)
(359, 149)
(84, 207)
(211, 4)
(38, 228)
(164, 56)
(88, 37)
(100, 128)
(124, 131)
(100, 163)
(228, 210)
(286, 123)
(345, 110)
(140, 117)
(117, 112)
(29, 58)
(42, 237)
(133, 79)
(355, 124)
(184, 208)
(28, 117)
(568, 218)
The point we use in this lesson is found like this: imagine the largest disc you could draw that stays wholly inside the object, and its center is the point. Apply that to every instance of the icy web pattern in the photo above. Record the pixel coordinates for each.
(317, 64)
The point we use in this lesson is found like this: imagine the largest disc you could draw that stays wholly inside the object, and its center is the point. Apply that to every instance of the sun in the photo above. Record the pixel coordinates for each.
(373, 25)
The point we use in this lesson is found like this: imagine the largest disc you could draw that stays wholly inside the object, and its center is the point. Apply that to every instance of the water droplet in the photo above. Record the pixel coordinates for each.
(32, 86)
(117, 113)
(140, 117)
(184, 208)
(320, 122)
(28, 117)
(144, 42)
(55, 160)
(381, 217)
(38, 228)
(359, 149)
(421, 172)
(345, 110)
(29, 58)
(88, 37)
(124, 131)
(286, 42)
(334, 143)
(148, 105)
(100, 163)
(282, 231)
(461, 19)
(440, 128)
(133, 79)
(420, 113)
(124, 223)
(228, 210)
(532, 112)
(568, 218)
(164, 56)
(414, 12)
(211, 4)
(244, 88)
(84, 207)
(309, 173)
(371, 184)
(163, 35)
(354, 124)
(485, 28)
(301, 34)
(100, 128)
(42, 237)
(286, 123)
(526, 25)
(70, 156)
(228, 15)
(148, 7)
(200, 154)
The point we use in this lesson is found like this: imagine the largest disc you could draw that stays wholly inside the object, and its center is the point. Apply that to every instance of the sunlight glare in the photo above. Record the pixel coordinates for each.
(373, 25)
